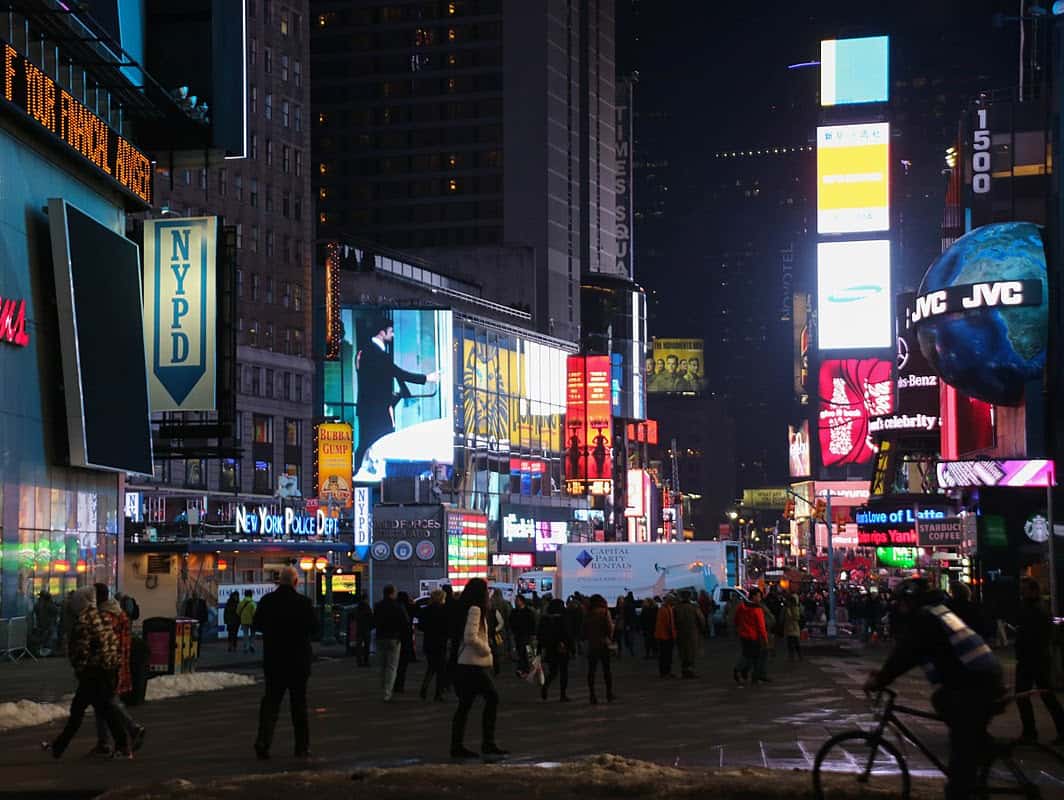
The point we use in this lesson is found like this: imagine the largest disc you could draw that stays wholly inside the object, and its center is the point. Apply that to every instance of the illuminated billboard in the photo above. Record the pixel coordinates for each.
(801, 465)
(588, 426)
(467, 546)
(394, 382)
(334, 454)
(995, 472)
(851, 392)
(677, 366)
(854, 302)
(855, 71)
(853, 178)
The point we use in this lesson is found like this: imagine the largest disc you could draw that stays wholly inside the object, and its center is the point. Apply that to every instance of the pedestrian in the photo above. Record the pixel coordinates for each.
(792, 627)
(246, 610)
(961, 604)
(363, 632)
(93, 649)
(521, 626)
(753, 635)
(392, 625)
(406, 642)
(665, 636)
(45, 621)
(690, 628)
(433, 624)
(1034, 630)
(288, 623)
(112, 614)
(495, 639)
(473, 675)
(647, 622)
(503, 606)
(598, 630)
(768, 647)
(231, 618)
(731, 607)
(556, 643)
(455, 630)
(574, 621)
(708, 609)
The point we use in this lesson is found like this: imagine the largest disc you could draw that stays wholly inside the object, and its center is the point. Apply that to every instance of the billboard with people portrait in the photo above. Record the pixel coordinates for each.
(394, 384)
(676, 366)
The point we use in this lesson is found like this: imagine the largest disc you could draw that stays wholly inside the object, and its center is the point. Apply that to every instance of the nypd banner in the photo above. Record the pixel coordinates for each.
(180, 309)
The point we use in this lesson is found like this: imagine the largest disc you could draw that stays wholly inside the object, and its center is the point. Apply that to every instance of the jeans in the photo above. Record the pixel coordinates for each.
(232, 632)
(761, 666)
(749, 656)
(249, 638)
(1029, 676)
(665, 656)
(557, 666)
(436, 665)
(793, 647)
(276, 686)
(95, 688)
(405, 655)
(594, 658)
(103, 731)
(471, 682)
(362, 649)
(389, 650)
(522, 653)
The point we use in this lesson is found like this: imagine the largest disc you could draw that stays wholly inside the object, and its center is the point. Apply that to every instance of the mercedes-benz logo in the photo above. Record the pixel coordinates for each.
(903, 352)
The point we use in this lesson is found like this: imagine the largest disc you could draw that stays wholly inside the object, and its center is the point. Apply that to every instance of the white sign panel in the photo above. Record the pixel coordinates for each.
(363, 518)
(180, 311)
(854, 296)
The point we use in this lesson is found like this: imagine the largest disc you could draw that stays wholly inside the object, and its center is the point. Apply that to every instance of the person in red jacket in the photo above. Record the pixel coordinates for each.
(753, 635)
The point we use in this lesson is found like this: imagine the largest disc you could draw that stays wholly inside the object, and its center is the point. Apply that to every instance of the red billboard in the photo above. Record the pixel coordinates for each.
(852, 390)
(588, 425)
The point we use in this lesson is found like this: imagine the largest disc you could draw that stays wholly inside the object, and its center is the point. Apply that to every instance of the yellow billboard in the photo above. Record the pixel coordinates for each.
(334, 462)
(853, 180)
(676, 366)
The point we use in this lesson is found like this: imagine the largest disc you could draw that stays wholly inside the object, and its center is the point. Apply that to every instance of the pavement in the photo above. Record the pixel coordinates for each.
(706, 722)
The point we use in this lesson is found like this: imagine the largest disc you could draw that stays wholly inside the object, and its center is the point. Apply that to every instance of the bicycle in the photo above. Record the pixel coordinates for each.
(874, 771)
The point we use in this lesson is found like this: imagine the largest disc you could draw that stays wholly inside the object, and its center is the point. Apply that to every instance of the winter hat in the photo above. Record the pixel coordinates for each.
(83, 598)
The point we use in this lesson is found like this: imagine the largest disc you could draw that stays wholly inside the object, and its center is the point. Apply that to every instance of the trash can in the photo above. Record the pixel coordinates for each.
(172, 645)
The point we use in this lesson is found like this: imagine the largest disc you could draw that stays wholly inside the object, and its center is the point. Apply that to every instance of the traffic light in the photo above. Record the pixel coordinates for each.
(820, 509)
(788, 509)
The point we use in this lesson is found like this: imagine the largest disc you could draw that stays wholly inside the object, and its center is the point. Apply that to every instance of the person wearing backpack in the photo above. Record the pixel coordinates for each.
(246, 611)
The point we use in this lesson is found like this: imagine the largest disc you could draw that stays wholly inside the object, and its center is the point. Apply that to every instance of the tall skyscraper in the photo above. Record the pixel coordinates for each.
(477, 133)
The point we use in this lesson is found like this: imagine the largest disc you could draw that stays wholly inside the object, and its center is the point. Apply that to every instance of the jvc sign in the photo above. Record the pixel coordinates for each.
(974, 296)
(180, 308)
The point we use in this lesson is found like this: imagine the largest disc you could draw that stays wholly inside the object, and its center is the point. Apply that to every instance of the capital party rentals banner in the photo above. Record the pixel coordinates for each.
(180, 312)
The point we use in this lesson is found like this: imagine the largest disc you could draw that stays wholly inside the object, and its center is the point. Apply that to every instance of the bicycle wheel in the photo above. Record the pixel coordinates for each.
(859, 759)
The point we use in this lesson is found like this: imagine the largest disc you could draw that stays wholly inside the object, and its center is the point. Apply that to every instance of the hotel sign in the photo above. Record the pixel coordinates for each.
(45, 104)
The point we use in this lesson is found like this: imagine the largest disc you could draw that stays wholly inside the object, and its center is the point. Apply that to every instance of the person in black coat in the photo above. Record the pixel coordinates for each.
(406, 642)
(433, 624)
(363, 632)
(556, 644)
(377, 373)
(522, 626)
(287, 622)
(1033, 633)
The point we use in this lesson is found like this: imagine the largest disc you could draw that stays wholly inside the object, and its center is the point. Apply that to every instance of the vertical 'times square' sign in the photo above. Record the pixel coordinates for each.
(180, 309)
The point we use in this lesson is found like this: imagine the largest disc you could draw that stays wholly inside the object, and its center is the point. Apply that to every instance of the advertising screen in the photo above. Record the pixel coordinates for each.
(854, 300)
(853, 180)
(799, 453)
(101, 333)
(394, 381)
(677, 365)
(851, 392)
(996, 472)
(334, 463)
(855, 71)
(467, 547)
(588, 425)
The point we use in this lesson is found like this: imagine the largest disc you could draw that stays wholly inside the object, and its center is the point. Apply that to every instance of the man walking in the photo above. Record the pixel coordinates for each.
(1033, 632)
(391, 620)
(522, 625)
(753, 635)
(690, 628)
(246, 612)
(665, 635)
(287, 621)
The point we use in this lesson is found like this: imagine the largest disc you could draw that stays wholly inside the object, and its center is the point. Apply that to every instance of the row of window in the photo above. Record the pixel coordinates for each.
(290, 115)
(289, 22)
(262, 290)
(229, 470)
(432, 136)
(291, 247)
(408, 12)
(273, 384)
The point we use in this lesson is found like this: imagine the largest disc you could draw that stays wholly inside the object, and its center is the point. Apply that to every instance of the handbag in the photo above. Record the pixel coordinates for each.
(535, 672)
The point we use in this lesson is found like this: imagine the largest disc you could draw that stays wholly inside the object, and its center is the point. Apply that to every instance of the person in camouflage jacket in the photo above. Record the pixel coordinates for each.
(95, 657)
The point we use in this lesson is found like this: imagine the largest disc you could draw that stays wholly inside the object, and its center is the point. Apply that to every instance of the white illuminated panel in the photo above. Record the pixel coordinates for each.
(853, 295)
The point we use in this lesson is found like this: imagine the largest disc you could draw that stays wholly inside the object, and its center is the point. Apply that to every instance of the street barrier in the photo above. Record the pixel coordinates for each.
(14, 633)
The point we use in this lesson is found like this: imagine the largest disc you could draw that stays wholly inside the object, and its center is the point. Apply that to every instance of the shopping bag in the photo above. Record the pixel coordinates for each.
(535, 672)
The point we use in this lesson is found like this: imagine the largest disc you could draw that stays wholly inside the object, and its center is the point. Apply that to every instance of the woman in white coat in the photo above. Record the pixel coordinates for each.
(473, 676)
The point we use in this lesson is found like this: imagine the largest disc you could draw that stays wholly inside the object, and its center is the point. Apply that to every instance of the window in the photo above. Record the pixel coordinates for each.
(284, 113)
(286, 382)
(254, 145)
(229, 475)
(269, 251)
(202, 180)
(267, 60)
(253, 51)
(269, 281)
(298, 121)
(195, 473)
(254, 194)
(299, 165)
(288, 341)
(223, 180)
(297, 297)
(269, 383)
(286, 248)
(253, 99)
(269, 152)
(286, 291)
(254, 286)
(299, 378)
(238, 426)
(284, 67)
(267, 11)
(268, 106)
(238, 182)
(297, 19)
(256, 372)
(286, 153)
(297, 72)
(268, 344)
(239, 234)
(284, 23)
(297, 350)
(262, 482)
(240, 340)
(269, 197)
(254, 244)
(262, 428)
(299, 251)
(297, 207)
(240, 283)
(286, 211)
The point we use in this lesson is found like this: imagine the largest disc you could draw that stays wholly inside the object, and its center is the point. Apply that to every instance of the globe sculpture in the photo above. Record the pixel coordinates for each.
(989, 352)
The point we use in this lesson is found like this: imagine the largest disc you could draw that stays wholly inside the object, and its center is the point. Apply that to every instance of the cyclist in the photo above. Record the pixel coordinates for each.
(961, 667)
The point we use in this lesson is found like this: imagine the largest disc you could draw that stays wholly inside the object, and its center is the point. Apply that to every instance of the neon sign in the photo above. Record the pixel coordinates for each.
(13, 322)
(42, 101)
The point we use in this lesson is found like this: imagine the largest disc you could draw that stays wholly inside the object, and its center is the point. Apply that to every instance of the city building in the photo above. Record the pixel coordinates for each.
(476, 134)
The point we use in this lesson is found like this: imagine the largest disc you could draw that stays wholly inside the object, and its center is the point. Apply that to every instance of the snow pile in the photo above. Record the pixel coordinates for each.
(27, 713)
(167, 686)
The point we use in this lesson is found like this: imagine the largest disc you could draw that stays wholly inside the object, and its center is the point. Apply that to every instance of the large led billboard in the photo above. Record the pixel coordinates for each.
(853, 178)
(799, 451)
(852, 391)
(855, 71)
(394, 382)
(588, 425)
(854, 301)
(677, 366)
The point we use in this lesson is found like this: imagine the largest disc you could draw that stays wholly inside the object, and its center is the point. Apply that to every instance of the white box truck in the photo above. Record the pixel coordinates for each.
(646, 569)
